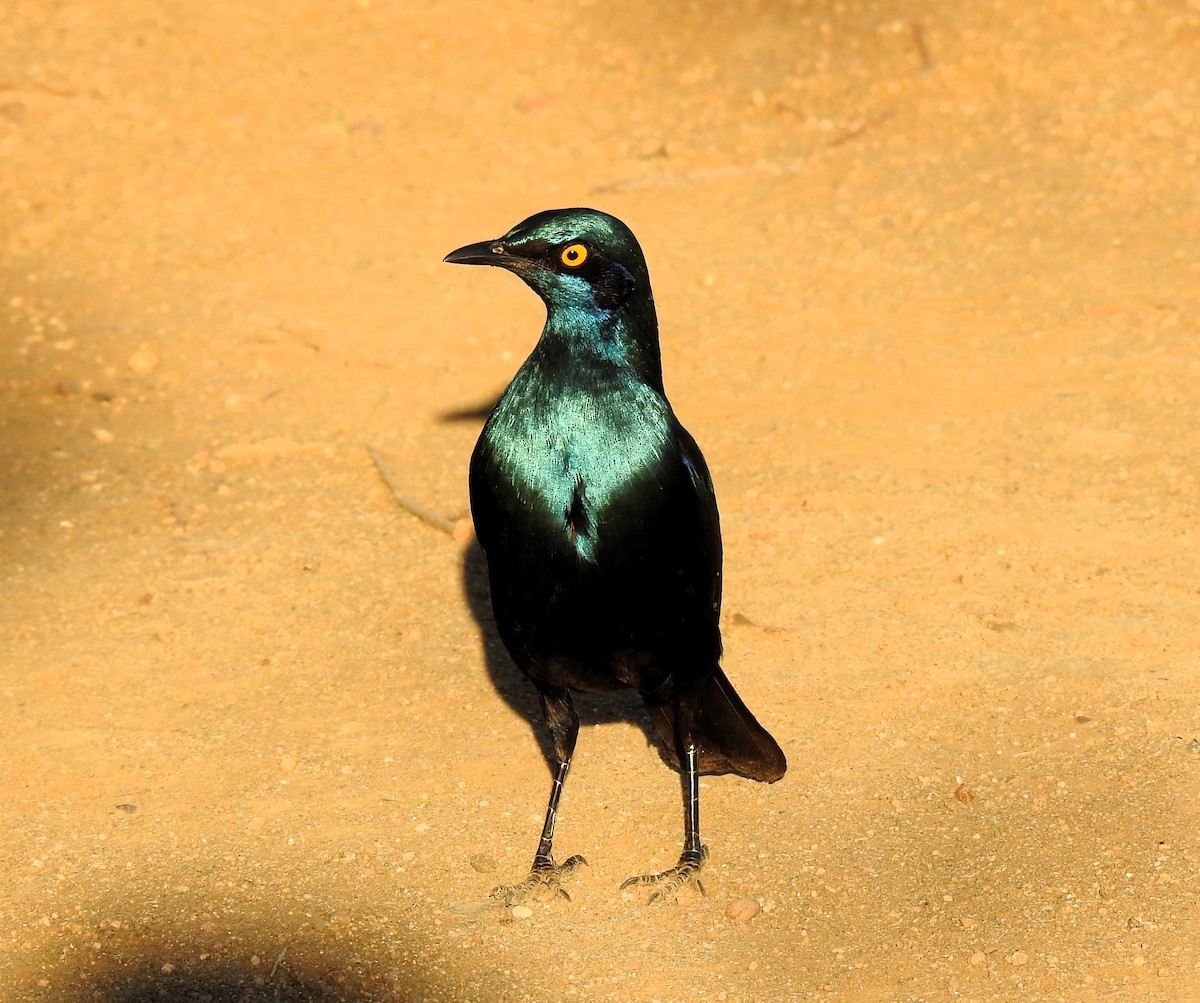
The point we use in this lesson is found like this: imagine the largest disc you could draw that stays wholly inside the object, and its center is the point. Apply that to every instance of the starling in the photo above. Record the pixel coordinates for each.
(596, 512)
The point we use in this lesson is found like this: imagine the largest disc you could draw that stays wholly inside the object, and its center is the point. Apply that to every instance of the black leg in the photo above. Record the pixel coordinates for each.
(545, 873)
(546, 843)
(692, 847)
(694, 854)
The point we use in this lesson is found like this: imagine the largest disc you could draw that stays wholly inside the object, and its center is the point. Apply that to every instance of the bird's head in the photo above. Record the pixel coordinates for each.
(577, 260)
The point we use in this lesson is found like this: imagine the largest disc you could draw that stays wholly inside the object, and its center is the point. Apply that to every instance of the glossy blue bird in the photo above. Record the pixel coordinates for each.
(596, 512)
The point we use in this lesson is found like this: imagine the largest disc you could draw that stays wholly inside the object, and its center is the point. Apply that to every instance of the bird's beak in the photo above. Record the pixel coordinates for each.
(487, 252)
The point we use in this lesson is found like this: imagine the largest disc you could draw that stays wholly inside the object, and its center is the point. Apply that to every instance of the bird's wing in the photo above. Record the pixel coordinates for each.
(483, 508)
(731, 739)
(708, 537)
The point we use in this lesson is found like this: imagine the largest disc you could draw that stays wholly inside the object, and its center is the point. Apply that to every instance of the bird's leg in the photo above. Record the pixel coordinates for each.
(694, 854)
(545, 873)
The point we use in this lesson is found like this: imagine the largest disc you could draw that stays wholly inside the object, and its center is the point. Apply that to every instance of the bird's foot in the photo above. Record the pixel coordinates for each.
(546, 874)
(686, 872)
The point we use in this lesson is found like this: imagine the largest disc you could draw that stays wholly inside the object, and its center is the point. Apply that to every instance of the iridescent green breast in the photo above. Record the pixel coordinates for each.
(569, 446)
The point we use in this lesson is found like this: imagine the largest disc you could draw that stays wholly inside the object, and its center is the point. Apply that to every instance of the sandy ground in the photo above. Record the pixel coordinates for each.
(928, 279)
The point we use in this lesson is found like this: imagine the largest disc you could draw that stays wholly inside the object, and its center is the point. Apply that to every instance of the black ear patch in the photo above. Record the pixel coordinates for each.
(612, 285)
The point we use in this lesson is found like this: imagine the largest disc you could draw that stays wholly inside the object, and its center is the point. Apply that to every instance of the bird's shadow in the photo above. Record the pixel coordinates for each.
(519, 692)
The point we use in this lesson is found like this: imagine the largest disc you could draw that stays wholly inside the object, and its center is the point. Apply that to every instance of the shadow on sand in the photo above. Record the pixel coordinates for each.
(168, 966)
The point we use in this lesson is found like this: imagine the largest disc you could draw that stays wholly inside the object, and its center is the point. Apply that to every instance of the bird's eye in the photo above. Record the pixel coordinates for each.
(574, 255)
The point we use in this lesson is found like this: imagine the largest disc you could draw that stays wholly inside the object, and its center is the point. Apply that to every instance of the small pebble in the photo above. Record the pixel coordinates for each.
(482, 862)
(521, 912)
(128, 809)
(143, 361)
(978, 958)
(103, 435)
(743, 910)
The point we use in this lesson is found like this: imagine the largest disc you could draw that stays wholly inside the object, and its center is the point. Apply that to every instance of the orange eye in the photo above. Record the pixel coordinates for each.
(574, 256)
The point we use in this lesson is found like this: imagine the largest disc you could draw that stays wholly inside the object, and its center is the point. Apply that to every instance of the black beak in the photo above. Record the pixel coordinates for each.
(486, 252)
(490, 252)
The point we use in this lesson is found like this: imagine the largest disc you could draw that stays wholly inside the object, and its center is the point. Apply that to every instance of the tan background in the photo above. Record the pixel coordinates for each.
(928, 283)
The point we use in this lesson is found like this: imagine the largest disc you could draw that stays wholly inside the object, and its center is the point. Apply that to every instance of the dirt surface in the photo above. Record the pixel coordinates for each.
(928, 281)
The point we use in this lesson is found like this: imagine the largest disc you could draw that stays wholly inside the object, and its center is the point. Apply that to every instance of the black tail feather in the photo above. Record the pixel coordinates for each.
(731, 739)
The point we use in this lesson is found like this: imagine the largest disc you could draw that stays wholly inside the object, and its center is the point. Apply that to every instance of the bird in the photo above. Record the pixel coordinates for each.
(596, 513)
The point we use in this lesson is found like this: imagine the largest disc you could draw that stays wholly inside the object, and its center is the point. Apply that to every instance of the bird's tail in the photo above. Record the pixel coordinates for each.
(731, 740)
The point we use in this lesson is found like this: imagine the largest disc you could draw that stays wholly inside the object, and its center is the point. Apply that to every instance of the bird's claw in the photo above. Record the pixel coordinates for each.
(545, 873)
(686, 872)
